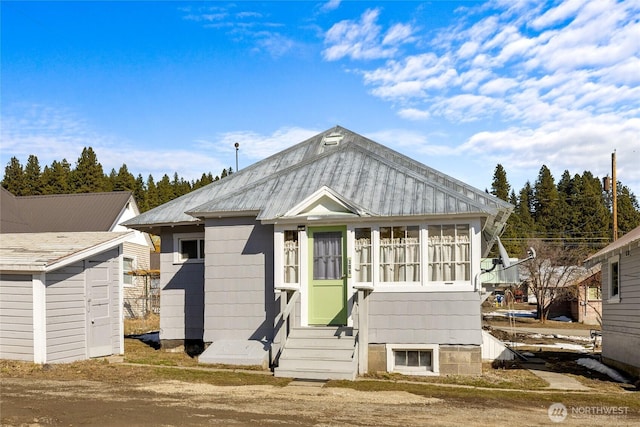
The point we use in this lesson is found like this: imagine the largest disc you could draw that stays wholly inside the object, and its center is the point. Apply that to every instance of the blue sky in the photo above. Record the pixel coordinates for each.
(459, 85)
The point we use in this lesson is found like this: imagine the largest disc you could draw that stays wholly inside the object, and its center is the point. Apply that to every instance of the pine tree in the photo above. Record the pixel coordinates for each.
(32, 177)
(13, 179)
(165, 190)
(55, 178)
(152, 198)
(124, 180)
(628, 210)
(545, 204)
(139, 194)
(88, 175)
(500, 186)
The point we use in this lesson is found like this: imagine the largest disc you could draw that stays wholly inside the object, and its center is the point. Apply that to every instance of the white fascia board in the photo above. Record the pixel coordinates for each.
(93, 250)
(224, 214)
(22, 268)
(324, 191)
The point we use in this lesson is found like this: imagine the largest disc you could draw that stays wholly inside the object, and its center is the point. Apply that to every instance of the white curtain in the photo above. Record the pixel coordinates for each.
(290, 261)
(449, 252)
(400, 259)
(327, 255)
(363, 260)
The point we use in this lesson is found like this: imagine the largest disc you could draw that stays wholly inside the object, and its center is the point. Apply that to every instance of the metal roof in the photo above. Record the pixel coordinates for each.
(33, 252)
(63, 212)
(383, 182)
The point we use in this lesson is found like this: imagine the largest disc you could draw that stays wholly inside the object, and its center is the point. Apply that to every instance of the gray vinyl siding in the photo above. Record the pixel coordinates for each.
(621, 320)
(181, 291)
(425, 318)
(239, 298)
(16, 317)
(66, 314)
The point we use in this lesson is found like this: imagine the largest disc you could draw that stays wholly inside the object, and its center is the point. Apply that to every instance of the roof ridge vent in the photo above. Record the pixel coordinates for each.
(332, 139)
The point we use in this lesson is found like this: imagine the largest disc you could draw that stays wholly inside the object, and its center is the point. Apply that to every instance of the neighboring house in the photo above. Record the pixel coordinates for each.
(621, 301)
(85, 212)
(586, 304)
(61, 296)
(335, 256)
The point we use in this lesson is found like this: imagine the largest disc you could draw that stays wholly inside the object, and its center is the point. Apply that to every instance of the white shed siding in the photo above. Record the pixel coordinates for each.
(621, 320)
(16, 317)
(66, 314)
(239, 299)
(425, 318)
(181, 292)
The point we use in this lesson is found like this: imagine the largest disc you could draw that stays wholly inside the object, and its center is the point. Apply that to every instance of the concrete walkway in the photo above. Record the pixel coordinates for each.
(556, 381)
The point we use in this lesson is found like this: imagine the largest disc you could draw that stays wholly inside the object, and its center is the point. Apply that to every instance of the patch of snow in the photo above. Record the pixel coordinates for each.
(603, 369)
(562, 319)
(559, 345)
(527, 354)
(513, 313)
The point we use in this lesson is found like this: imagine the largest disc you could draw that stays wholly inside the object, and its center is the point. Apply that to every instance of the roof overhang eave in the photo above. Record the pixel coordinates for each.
(223, 214)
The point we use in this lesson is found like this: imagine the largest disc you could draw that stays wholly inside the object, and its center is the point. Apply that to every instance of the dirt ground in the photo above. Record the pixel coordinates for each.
(37, 402)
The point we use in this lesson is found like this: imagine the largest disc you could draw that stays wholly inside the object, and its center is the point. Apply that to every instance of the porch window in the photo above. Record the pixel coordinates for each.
(449, 251)
(363, 255)
(400, 254)
(291, 251)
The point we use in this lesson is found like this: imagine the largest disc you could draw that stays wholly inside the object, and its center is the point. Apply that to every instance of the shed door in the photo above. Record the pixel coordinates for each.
(327, 281)
(98, 278)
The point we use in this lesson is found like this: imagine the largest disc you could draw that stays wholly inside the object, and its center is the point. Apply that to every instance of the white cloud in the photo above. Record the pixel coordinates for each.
(256, 146)
(414, 114)
(330, 5)
(363, 39)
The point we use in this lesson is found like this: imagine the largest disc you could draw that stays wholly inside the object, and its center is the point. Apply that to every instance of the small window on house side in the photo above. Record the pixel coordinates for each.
(291, 249)
(189, 247)
(413, 360)
(449, 252)
(614, 279)
(363, 255)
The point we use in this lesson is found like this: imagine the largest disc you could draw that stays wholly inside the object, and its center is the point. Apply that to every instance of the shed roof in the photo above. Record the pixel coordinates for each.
(629, 240)
(41, 252)
(62, 212)
(364, 173)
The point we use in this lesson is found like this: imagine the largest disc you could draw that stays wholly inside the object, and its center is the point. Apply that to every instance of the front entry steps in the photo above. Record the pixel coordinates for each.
(320, 353)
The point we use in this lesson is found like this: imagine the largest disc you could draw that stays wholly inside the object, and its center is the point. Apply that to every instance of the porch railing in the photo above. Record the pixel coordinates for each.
(282, 322)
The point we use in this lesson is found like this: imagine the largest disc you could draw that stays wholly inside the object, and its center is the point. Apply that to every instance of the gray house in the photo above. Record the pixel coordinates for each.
(621, 301)
(82, 212)
(334, 257)
(61, 296)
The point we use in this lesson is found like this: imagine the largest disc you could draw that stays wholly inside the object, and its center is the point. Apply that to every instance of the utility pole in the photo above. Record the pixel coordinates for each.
(615, 195)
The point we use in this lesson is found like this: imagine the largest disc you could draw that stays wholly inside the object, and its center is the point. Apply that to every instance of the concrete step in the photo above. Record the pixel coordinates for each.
(315, 375)
(321, 343)
(320, 353)
(322, 332)
(317, 365)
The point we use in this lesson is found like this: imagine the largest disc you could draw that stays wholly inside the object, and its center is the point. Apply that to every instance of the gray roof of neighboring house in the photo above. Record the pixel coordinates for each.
(364, 173)
(39, 252)
(629, 240)
(62, 212)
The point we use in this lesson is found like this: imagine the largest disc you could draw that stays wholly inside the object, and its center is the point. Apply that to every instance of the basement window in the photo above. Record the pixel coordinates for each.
(412, 359)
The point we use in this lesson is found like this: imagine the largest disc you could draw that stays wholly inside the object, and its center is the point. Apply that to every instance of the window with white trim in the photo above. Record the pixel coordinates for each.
(614, 278)
(127, 271)
(291, 256)
(188, 247)
(449, 253)
(400, 253)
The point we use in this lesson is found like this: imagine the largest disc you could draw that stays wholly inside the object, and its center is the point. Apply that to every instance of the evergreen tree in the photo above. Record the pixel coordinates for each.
(152, 198)
(55, 178)
(124, 180)
(32, 177)
(165, 190)
(139, 193)
(500, 186)
(628, 210)
(545, 204)
(13, 179)
(223, 174)
(88, 175)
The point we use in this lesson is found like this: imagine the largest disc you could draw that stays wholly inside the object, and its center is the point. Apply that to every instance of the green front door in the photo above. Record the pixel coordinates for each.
(327, 276)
